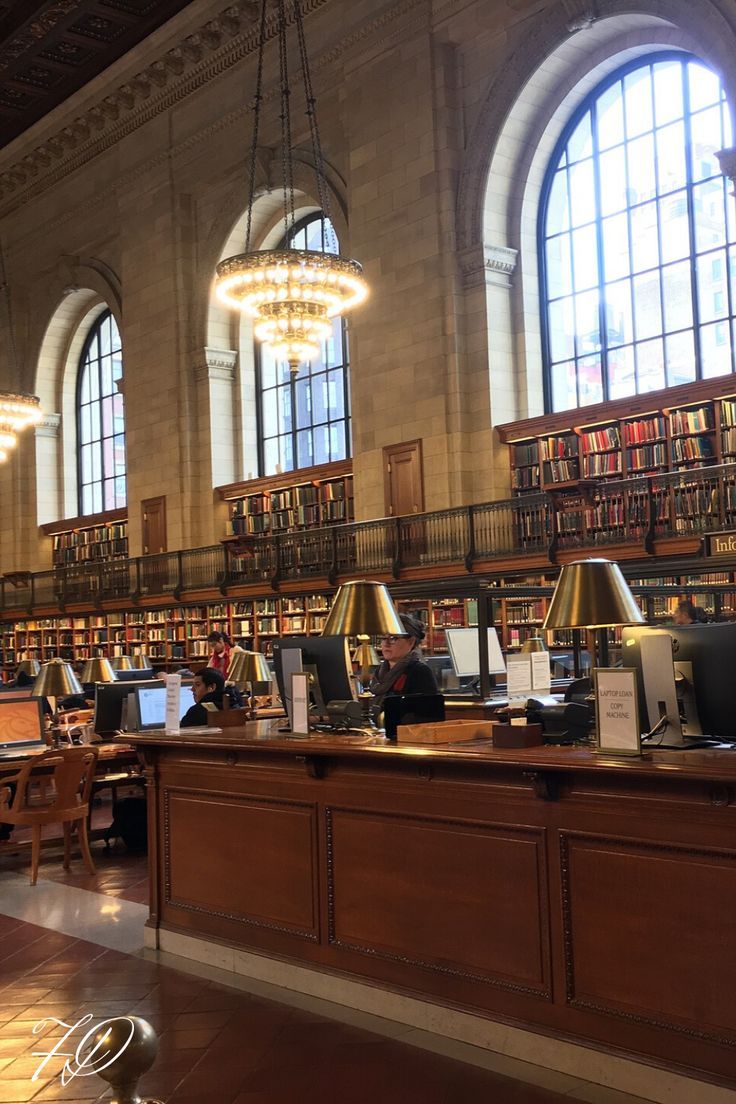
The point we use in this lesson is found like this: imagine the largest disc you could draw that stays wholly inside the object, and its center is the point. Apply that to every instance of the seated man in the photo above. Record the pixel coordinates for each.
(209, 686)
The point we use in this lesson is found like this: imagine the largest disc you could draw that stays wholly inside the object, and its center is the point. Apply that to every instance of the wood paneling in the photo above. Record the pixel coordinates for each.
(671, 906)
(458, 897)
(242, 859)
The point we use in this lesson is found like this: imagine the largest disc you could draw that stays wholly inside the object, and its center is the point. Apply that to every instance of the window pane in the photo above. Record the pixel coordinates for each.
(644, 244)
(564, 386)
(94, 380)
(642, 172)
(650, 365)
(270, 456)
(712, 286)
(710, 214)
(87, 507)
(119, 444)
(668, 91)
(558, 218)
(107, 385)
(320, 400)
(647, 307)
(559, 266)
(618, 314)
(107, 428)
(610, 117)
(671, 158)
(616, 252)
(677, 296)
(590, 380)
(587, 316)
(680, 353)
(582, 193)
(305, 455)
(109, 494)
(120, 491)
(84, 386)
(561, 329)
(97, 506)
(285, 412)
(675, 227)
(704, 87)
(85, 426)
(638, 97)
(707, 138)
(715, 350)
(585, 258)
(105, 345)
(101, 421)
(322, 445)
(621, 375)
(336, 395)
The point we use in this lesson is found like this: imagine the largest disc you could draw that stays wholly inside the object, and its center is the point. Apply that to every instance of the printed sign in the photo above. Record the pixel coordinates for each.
(616, 711)
(173, 703)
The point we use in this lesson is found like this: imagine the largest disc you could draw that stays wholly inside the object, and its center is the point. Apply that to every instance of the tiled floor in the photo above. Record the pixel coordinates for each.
(217, 1044)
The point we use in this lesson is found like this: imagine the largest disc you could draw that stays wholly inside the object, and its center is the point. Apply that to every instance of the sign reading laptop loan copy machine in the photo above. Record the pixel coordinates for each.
(616, 711)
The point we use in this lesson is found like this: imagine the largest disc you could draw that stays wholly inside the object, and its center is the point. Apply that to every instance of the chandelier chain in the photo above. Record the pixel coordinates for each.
(8, 308)
(319, 164)
(286, 151)
(256, 125)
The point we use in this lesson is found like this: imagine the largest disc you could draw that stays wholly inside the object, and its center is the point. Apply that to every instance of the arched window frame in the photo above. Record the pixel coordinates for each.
(619, 73)
(290, 384)
(112, 483)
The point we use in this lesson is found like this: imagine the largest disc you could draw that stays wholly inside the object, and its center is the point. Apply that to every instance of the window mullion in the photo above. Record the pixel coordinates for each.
(691, 223)
(602, 313)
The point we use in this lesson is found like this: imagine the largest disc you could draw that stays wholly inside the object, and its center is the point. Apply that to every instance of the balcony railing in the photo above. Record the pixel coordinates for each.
(641, 509)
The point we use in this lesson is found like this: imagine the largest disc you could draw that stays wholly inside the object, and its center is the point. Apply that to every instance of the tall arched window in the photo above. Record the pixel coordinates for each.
(101, 420)
(306, 420)
(637, 237)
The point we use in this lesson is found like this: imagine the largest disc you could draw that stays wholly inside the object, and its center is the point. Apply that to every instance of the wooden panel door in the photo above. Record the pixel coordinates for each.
(403, 481)
(154, 525)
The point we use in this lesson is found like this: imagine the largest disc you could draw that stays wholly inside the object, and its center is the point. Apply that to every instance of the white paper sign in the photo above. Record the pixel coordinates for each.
(518, 676)
(617, 715)
(300, 703)
(173, 698)
(541, 673)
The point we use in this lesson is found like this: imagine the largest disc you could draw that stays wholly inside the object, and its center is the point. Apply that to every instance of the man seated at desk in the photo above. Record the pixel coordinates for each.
(403, 670)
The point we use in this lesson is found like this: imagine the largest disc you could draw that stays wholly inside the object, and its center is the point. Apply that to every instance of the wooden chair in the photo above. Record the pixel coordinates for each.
(72, 772)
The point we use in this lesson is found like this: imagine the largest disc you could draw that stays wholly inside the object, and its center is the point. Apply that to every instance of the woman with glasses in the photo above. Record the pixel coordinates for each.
(403, 671)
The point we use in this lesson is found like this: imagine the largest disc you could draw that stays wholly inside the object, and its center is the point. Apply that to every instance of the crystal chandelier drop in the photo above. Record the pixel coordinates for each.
(17, 410)
(292, 294)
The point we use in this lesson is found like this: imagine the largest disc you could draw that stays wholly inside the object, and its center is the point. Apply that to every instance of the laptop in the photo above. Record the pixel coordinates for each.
(22, 729)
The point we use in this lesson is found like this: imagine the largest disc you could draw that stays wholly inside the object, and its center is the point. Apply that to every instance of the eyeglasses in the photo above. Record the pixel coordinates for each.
(392, 639)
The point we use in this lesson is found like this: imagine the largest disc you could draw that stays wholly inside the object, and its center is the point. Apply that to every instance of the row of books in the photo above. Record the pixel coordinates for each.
(602, 463)
(533, 610)
(692, 448)
(559, 448)
(561, 471)
(523, 478)
(691, 421)
(644, 429)
(598, 440)
(647, 456)
(526, 454)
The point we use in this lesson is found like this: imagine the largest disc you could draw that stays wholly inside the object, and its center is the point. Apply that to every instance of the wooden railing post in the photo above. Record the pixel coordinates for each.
(470, 554)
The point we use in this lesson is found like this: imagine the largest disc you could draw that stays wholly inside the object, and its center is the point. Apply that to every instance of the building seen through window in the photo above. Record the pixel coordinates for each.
(101, 420)
(638, 237)
(306, 420)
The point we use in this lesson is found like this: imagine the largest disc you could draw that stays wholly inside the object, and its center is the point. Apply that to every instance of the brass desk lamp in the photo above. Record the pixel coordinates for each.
(592, 594)
(56, 680)
(246, 669)
(98, 669)
(365, 657)
(533, 644)
(30, 667)
(121, 663)
(141, 662)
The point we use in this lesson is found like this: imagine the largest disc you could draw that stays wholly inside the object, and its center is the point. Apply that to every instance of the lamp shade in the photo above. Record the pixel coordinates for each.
(591, 594)
(362, 606)
(141, 662)
(57, 680)
(246, 668)
(29, 667)
(365, 655)
(533, 644)
(97, 670)
(121, 663)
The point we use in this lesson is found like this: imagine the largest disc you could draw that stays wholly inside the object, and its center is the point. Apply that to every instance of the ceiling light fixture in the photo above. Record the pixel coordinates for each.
(292, 294)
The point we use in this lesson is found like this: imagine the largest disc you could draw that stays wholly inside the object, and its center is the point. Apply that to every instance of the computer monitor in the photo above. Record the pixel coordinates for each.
(328, 656)
(711, 651)
(464, 648)
(137, 674)
(21, 724)
(109, 698)
(150, 703)
(12, 692)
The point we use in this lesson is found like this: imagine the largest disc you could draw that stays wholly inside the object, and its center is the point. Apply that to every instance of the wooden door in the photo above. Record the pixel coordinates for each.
(403, 482)
(404, 492)
(154, 525)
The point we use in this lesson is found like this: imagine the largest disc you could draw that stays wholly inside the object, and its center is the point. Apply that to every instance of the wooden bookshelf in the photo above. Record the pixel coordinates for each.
(309, 498)
(93, 539)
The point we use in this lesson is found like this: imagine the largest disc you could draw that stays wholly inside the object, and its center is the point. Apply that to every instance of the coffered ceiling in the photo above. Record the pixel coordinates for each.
(51, 48)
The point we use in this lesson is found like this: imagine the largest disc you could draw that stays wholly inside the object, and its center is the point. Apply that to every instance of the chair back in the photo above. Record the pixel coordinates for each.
(72, 771)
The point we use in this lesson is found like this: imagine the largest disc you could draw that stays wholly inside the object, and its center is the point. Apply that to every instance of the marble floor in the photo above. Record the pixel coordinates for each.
(73, 945)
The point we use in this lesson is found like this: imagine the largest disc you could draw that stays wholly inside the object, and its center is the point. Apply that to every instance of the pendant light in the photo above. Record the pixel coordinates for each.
(291, 294)
(17, 410)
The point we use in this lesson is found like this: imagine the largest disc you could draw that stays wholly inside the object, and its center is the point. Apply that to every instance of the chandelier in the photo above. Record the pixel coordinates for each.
(17, 410)
(292, 294)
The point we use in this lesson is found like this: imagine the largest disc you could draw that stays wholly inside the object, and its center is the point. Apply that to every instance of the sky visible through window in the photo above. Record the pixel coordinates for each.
(639, 238)
(101, 420)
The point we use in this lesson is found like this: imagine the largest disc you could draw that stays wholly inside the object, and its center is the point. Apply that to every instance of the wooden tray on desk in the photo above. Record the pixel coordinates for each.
(445, 732)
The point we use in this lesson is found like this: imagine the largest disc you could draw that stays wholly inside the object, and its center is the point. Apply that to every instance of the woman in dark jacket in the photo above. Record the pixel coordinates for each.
(403, 670)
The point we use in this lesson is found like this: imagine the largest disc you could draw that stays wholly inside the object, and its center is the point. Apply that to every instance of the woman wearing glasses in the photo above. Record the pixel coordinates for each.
(403, 670)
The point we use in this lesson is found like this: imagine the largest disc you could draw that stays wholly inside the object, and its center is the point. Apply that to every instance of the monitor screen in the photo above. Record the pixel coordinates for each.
(329, 655)
(21, 722)
(151, 705)
(465, 652)
(23, 692)
(109, 698)
(711, 649)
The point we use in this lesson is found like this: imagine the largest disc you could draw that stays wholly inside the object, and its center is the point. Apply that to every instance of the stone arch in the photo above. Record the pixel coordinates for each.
(515, 133)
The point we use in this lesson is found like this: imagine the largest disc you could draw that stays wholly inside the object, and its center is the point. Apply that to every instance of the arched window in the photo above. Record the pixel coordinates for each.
(306, 420)
(101, 420)
(637, 237)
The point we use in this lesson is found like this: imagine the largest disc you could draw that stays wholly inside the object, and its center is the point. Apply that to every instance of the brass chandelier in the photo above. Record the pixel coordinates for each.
(292, 294)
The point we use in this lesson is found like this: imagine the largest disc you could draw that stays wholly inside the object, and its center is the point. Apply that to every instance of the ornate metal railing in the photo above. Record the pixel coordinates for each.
(636, 510)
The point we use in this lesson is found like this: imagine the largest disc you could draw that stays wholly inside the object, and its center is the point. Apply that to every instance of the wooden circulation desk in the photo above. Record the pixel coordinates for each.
(587, 897)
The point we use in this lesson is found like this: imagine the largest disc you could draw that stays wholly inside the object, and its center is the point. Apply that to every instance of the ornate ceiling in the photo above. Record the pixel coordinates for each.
(50, 48)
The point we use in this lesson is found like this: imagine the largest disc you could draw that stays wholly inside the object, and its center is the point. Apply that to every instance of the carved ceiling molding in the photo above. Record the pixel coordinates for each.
(198, 59)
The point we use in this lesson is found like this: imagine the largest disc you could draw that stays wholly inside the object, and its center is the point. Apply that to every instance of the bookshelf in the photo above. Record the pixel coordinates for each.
(309, 498)
(560, 459)
(83, 540)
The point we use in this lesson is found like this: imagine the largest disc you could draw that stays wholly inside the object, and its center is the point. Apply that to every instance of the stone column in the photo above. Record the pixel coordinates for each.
(218, 452)
(727, 161)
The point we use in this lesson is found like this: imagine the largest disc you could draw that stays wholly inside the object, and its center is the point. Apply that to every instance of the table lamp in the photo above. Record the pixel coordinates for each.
(98, 669)
(56, 680)
(122, 663)
(592, 594)
(533, 644)
(247, 668)
(365, 657)
(30, 667)
(141, 662)
(363, 607)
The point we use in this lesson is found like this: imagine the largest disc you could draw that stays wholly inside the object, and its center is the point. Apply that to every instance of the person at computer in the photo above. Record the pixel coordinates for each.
(689, 614)
(222, 649)
(209, 687)
(403, 671)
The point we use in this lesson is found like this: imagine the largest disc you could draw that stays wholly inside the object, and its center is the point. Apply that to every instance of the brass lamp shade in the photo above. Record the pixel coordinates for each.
(362, 606)
(246, 668)
(533, 644)
(57, 680)
(121, 663)
(366, 656)
(29, 666)
(141, 662)
(592, 594)
(97, 670)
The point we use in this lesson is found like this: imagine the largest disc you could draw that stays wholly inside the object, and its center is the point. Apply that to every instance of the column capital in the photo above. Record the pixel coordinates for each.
(49, 426)
(488, 264)
(727, 161)
(217, 364)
